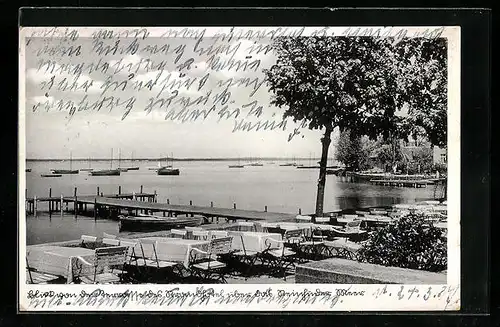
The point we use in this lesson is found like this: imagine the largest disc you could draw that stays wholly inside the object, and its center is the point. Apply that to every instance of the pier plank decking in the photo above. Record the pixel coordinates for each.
(126, 202)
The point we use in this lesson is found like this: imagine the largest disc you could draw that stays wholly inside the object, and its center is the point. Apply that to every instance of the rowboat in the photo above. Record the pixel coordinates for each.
(168, 171)
(155, 223)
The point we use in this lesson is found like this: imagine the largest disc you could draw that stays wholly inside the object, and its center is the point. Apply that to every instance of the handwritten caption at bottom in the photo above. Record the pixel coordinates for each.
(220, 298)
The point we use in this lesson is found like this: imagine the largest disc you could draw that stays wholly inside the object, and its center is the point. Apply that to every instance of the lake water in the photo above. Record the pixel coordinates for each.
(282, 189)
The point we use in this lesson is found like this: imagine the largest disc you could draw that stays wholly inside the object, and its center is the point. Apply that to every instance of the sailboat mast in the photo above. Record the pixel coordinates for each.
(111, 161)
(70, 160)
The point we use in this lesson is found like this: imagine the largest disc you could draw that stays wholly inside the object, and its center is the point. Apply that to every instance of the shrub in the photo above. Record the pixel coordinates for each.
(410, 243)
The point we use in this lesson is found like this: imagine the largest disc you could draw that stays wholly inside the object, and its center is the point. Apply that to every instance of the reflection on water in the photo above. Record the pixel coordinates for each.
(281, 189)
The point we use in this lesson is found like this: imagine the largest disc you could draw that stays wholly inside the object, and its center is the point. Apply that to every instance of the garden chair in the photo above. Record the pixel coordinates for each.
(107, 268)
(190, 230)
(88, 241)
(246, 257)
(201, 235)
(178, 233)
(282, 258)
(151, 262)
(35, 277)
(217, 234)
(209, 265)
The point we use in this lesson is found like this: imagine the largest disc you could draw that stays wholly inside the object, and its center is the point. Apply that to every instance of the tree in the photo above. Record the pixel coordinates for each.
(353, 151)
(360, 84)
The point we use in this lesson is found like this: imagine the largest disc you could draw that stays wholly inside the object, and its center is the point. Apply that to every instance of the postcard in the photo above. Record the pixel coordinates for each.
(239, 168)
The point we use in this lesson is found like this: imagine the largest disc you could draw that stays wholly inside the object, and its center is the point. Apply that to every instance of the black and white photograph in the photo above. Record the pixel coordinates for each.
(240, 159)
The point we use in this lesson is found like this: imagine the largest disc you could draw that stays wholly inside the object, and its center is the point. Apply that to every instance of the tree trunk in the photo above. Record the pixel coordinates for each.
(320, 198)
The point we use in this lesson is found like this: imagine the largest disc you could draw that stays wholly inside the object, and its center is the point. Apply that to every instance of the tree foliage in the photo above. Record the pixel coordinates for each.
(371, 86)
(353, 151)
(410, 243)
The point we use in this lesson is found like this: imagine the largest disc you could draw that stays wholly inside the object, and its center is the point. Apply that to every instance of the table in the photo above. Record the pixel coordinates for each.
(174, 249)
(56, 260)
(255, 241)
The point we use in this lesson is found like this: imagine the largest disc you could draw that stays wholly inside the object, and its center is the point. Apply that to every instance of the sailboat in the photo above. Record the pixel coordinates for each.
(287, 164)
(255, 164)
(134, 167)
(310, 166)
(67, 171)
(238, 165)
(86, 169)
(106, 172)
(168, 170)
(119, 162)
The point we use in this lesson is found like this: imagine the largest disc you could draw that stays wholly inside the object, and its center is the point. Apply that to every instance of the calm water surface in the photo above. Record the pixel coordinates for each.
(282, 189)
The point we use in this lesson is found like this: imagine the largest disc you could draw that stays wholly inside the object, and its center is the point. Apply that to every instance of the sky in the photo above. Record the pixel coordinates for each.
(55, 133)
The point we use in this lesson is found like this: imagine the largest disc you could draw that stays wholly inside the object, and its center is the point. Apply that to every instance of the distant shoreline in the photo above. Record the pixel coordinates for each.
(174, 159)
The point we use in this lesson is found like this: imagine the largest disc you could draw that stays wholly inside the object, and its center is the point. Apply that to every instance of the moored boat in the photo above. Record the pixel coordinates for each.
(105, 172)
(168, 171)
(28, 170)
(155, 223)
(65, 171)
(51, 175)
(236, 166)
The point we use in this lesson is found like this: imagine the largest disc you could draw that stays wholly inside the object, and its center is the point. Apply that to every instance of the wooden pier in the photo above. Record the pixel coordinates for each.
(400, 182)
(146, 203)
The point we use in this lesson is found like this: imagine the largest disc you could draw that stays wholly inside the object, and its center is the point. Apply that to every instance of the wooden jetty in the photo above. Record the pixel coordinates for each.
(147, 203)
(400, 182)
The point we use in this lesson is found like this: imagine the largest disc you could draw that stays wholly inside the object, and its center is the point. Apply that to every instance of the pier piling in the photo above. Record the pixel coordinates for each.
(141, 189)
(119, 189)
(95, 209)
(98, 191)
(76, 202)
(50, 201)
(34, 205)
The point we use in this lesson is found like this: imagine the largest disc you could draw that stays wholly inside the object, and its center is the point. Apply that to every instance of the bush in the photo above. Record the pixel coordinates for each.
(410, 243)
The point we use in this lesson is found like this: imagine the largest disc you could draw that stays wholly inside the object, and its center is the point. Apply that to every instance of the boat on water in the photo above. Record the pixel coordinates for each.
(87, 169)
(67, 171)
(123, 169)
(168, 171)
(106, 172)
(134, 167)
(256, 164)
(28, 170)
(156, 223)
(51, 175)
(239, 165)
(286, 165)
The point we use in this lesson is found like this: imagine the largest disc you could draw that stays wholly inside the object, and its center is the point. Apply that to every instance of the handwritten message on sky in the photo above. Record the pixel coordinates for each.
(181, 92)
